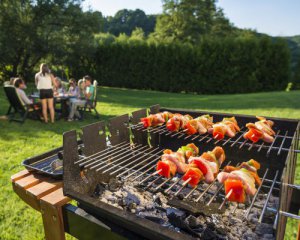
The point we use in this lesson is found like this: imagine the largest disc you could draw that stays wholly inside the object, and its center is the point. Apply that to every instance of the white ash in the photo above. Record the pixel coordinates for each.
(228, 225)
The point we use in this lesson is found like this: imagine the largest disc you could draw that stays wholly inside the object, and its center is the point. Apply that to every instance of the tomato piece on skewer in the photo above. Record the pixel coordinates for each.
(195, 174)
(238, 191)
(146, 122)
(190, 128)
(172, 125)
(254, 135)
(200, 165)
(167, 168)
(218, 133)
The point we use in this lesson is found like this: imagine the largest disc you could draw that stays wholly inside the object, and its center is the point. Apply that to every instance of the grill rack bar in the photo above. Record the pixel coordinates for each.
(152, 153)
(162, 130)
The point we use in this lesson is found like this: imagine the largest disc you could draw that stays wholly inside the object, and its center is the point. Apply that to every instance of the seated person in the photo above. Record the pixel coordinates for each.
(87, 99)
(58, 89)
(73, 89)
(20, 86)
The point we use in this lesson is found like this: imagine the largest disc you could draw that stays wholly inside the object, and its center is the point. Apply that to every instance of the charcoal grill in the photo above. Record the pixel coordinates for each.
(130, 153)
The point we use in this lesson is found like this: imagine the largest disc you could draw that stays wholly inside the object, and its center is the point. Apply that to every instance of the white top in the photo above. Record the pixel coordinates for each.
(23, 96)
(43, 82)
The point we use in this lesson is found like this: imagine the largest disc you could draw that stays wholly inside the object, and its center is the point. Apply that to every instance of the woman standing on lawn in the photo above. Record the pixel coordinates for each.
(45, 81)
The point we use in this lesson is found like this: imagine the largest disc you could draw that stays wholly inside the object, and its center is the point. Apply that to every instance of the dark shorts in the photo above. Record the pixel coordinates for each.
(46, 93)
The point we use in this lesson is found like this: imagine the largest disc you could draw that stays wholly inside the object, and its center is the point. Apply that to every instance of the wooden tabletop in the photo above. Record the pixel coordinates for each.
(45, 195)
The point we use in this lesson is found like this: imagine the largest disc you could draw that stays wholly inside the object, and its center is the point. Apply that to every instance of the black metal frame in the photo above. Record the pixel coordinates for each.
(79, 182)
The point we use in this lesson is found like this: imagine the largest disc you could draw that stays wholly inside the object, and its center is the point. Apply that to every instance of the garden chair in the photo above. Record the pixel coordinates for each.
(17, 107)
(91, 105)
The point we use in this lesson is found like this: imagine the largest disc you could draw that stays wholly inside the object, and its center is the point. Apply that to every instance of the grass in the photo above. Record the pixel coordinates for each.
(17, 142)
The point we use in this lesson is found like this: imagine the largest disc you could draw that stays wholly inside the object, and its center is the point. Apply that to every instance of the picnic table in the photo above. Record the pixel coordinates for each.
(61, 98)
(45, 195)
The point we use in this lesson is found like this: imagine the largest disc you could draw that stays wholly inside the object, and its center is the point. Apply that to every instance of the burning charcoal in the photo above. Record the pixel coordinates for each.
(152, 217)
(122, 202)
(193, 222)
(268, 236)
(249, 235)
(181, 196)
(233, 220)
(176, 217)
(208, 234)
(130, 198)
(221, 229)
(211, 226)
(98, 190)
(114, 184)
(132, 205)
(263, 228)
(133, 211)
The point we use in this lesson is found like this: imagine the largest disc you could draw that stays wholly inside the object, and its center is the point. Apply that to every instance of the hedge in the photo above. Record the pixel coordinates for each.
(214, 66)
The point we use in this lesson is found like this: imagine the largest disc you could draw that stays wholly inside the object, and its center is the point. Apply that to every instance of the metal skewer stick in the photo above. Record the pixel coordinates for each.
(151, 175)
(226, 198)
(169, 188)
(183, 185)
(163, 183)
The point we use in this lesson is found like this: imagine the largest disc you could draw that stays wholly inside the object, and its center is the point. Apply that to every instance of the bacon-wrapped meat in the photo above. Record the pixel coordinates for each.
(261, 129)
(177, 122)
(157, 119)
(199, 125)
(228, 127)
(209, 163)
(240, 180)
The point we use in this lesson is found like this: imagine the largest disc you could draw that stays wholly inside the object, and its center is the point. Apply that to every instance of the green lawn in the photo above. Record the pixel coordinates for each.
(17, 142)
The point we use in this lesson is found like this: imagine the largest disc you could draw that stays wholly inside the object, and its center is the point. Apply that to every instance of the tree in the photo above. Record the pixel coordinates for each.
(190, 20)
(57, 31)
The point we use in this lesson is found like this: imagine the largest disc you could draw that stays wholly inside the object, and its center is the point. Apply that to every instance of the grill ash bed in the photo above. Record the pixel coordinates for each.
(114, 178)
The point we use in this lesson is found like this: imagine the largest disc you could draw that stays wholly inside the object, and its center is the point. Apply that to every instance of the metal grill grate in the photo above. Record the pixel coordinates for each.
(135, 162)
(277, 145)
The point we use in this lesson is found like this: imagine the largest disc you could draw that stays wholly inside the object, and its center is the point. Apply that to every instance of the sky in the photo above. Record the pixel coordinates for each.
(274, 17)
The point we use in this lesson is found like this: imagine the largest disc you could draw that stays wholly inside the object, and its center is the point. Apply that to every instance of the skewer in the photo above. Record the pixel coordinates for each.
(243, 143)
(200, 140)
(260, 147)
(183, 185)
(151, 175)
(189, 194)
(209, 186)
(163, 183)
(213, 197)
(150, 184)
(169, 188)
(236, 140)
(215, 137)
(226, 198)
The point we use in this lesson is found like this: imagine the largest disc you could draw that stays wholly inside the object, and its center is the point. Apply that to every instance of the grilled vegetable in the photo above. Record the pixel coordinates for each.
(190, 150)
(237, 190)
(194, 174)
(261, 129)
(168, 168)
(228, 127)
(157, 119)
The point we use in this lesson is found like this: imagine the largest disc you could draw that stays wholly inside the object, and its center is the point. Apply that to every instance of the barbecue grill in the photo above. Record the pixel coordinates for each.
(127, 158)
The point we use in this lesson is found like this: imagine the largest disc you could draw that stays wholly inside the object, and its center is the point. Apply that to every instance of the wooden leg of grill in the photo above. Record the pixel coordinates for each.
(51, 209)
